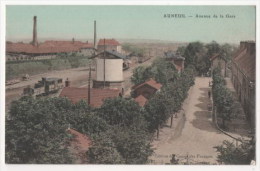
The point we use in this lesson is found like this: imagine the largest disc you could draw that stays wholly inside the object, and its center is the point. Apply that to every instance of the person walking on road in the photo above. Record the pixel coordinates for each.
(209, 94)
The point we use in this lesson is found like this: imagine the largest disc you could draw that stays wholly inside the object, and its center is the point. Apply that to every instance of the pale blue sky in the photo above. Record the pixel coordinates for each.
(133, 22)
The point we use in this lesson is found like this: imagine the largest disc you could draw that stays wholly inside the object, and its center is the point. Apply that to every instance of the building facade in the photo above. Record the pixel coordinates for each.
(243, 77)
(109, 44)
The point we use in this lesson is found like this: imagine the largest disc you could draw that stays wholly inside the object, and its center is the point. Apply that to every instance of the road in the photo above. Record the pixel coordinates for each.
(193, 134)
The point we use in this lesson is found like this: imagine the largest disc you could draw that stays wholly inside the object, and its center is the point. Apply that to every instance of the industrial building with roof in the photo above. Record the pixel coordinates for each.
(244, 77)
(45, 50)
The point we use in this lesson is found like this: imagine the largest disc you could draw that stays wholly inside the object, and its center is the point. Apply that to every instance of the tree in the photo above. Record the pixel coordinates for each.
(36, 131)
(156, 111)
(83, 118)
(132, 144)
(103, 151)
(141, 74)
(121, 112)
(222, 98)
(229, 153)
(163, 71)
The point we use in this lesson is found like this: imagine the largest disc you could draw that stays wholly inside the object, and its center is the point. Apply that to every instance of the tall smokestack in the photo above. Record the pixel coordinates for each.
(35, 41)
(95, 34)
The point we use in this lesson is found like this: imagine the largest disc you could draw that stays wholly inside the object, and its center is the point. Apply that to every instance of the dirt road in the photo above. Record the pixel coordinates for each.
(193, 135)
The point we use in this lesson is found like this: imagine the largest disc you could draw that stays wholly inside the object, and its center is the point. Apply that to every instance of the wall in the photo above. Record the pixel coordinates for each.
(113, 69)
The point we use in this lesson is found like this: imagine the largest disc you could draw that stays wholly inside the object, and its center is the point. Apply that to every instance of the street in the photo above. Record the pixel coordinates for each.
(193, 134)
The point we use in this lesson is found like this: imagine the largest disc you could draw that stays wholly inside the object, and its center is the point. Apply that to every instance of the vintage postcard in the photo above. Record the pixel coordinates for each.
(130, 84)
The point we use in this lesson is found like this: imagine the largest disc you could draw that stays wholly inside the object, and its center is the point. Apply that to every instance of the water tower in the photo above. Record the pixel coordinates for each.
(109, 70)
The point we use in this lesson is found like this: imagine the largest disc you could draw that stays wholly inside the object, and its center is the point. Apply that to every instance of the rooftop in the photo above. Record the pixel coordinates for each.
(97, 96)
(47, 47)
(245, 58)
(112, 42)
(79, 144)
(141, 100)
(151, 83)
(113, 53)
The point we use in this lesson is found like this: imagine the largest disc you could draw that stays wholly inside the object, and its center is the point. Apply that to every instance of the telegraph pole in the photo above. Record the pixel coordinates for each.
(89, 82)
(104, 56)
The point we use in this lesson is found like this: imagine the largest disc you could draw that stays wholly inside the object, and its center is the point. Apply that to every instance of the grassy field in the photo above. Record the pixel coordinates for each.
(16, 69)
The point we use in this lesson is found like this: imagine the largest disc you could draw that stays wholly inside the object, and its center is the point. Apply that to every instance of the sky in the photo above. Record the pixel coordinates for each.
(132, 22)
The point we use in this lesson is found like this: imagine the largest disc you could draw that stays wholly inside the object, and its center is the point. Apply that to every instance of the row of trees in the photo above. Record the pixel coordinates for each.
(198, 54)
(229, 152)
(222, 98)
(168, 101)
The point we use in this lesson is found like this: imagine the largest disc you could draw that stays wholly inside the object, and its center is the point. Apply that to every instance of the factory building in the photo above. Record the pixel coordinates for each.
(45, 50)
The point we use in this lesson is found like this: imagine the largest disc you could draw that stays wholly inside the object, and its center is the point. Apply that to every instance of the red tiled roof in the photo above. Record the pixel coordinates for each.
(246, 61)
(47, 47)
(79, 144)
(97, 96)
(108, 42)
(141, 100)
(151, 83)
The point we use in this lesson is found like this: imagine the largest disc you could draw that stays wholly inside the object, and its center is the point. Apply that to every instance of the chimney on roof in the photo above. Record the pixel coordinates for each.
(67, 83)
(242, 45)
(95, 34)
(250, 45)
(35, 41)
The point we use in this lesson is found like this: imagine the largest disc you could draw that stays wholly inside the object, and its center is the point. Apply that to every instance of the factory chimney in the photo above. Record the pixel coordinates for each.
(95, 35)
(35, 41)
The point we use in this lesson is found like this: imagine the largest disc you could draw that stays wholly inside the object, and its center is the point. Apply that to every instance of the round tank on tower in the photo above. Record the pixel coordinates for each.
(109, 70)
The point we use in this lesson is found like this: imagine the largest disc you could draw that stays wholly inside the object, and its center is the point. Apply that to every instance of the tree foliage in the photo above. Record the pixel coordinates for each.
(36, 132)
(198, 54)
(222, 97)
(229, 153)
(141, 74)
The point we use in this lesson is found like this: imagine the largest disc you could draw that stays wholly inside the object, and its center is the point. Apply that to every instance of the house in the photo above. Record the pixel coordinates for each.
(78, 145)
(218, 61)
(244, 77)
(143, 92)
(97, 96)
(109, 44)
(176, 59)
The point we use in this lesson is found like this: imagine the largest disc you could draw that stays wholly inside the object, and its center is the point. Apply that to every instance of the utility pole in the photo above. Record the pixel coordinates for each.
(89, 82)
(104, 56)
